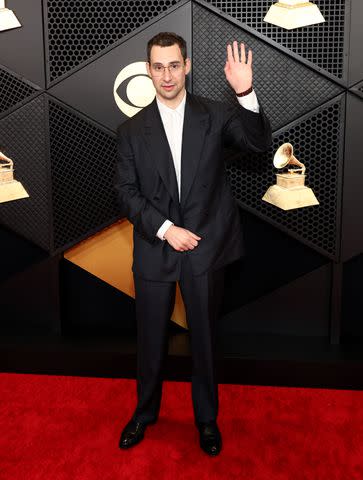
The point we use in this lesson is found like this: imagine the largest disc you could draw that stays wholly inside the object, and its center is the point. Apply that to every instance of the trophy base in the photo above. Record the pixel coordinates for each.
(288, 199)
(8, 19)
(12, 191)
(290, 15)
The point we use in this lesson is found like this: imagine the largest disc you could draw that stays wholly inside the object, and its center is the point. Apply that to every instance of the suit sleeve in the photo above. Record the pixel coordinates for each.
(247, 130)
(145, 218)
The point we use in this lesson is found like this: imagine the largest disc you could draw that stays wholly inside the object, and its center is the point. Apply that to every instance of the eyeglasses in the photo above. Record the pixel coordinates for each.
(158, 69)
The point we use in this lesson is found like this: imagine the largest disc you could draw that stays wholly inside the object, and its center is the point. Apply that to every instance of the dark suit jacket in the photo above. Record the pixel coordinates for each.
(147, 190)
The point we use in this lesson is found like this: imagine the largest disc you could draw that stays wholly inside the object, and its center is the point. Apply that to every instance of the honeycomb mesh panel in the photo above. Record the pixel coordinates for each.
(317, 142)
(322, 44)
(22, 138)
(13, 90)
(82, 160)
(283, 100)
(78, 30)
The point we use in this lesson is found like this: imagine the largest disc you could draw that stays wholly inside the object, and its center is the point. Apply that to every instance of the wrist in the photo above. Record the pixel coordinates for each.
(168, 230)
(243, 93)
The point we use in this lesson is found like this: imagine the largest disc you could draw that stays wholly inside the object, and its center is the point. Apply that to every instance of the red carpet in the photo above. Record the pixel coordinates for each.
(67, 428)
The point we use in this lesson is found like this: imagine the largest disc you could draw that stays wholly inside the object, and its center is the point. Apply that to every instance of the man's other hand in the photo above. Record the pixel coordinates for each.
(181, 239)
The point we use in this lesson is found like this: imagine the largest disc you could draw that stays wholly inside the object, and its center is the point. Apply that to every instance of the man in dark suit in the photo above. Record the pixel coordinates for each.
(172, 186)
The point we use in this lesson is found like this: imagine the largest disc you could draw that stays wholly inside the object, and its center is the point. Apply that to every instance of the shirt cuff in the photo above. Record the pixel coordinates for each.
(250, 102)
(160, 233)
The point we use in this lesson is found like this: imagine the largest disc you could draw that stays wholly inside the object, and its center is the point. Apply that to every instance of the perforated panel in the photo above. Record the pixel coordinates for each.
(317, 141)
(12, 90)
(23, 138)
(79, 30)
(358, 89)
(82, 159)
(277, 77)
(321, 44)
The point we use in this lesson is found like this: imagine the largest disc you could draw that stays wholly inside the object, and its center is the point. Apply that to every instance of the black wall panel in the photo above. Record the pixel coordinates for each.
(23, 137)
(20, 254)
(79, 30)
(82, 158)
(30, 301)
(352, 226)
(14, 91)
(264, 267)
(357, 89)
(352, 322)
(58, 118)
(323, 45)
(318, 140)
(300, 307)
(355, 43)
(22, 49)
(286, 88)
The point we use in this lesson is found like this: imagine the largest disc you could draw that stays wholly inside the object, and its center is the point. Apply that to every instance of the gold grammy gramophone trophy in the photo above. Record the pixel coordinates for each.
(290, 190)
(10, 189)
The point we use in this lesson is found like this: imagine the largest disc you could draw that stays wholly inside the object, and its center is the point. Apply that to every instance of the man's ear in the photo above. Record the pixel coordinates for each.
(188, 65)
(148, 68)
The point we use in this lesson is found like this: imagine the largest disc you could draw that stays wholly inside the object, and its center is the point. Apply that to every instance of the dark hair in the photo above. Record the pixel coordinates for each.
(167, 39)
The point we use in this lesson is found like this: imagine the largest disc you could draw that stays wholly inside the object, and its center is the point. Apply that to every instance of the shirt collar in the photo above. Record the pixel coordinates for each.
(179, 109)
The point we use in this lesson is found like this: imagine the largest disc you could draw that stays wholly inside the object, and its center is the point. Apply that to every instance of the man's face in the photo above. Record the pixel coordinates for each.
(169, 82)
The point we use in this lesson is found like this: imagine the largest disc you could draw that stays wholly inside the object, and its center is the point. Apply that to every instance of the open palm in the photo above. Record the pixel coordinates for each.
(238, 71)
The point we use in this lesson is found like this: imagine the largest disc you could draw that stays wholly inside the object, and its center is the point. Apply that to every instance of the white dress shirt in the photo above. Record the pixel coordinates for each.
(173, 120)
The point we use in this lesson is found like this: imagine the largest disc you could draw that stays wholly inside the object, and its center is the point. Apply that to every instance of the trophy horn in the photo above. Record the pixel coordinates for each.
(284, 156)
(7, 160)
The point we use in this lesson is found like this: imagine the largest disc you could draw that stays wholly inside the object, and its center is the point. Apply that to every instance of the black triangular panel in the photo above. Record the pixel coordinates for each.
(82, 163)
(358, 89)
(286, 88)
(300, 307)
(29, 300)
(13, 91)
(264, 269)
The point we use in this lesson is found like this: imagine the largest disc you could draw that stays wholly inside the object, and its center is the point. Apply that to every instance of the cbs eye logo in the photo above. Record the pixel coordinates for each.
(140, 90)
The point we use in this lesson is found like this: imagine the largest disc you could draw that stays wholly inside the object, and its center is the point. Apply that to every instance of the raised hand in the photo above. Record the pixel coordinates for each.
(238, 71)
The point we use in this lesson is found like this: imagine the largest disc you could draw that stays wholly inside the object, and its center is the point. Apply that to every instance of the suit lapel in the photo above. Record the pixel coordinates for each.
(158, 145)
(196, 124)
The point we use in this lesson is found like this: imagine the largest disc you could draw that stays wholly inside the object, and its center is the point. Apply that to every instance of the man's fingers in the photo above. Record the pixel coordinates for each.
(195, 236)
(235, 51)
(229, 54)
(185, 246)
(186, 241)
(243, 53)
(249, 58)
(237, 55)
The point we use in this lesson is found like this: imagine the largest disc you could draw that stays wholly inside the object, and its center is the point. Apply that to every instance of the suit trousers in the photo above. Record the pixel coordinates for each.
(154, 300)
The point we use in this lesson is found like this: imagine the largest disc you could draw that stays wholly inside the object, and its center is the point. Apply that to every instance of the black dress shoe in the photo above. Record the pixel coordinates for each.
(132, 434)
(210, 438)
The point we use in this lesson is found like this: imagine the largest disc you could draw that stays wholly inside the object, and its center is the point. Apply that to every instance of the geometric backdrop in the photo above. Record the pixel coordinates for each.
(58, 119)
